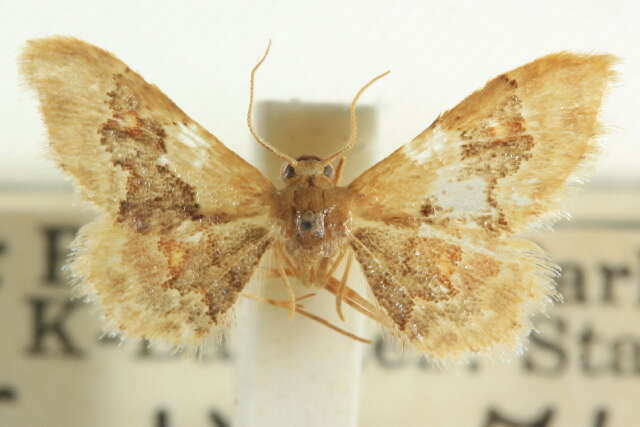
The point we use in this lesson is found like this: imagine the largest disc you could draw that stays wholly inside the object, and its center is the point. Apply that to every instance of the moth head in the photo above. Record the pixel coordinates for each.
(293, 163)
(305, 166)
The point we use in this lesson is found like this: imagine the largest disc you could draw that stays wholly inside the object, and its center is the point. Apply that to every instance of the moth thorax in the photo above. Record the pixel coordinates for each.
(309, 222)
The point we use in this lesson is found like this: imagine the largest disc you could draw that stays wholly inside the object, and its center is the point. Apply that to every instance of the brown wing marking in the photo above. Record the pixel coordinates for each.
(178, 287)
(133, 152)
(501, 158)
(153, 194)
(450, 298)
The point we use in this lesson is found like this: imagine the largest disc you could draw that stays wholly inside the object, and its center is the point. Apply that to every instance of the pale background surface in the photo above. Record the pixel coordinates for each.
(200, 55)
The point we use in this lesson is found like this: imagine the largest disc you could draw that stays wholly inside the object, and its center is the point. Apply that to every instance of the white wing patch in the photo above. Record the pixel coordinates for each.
(188, 135)
(192, 136)
(461, 197)
(439, 142)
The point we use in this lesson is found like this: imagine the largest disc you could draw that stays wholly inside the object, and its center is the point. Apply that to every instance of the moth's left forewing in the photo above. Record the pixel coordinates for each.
(434, 223)
(502, 157)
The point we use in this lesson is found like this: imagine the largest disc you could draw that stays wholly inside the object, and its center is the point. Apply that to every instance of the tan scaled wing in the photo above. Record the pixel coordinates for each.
(183, 222)
(434, 222)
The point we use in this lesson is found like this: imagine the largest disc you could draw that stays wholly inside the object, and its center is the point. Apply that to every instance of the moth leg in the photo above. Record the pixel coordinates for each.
(351, 297)
(280, 303)
(290, 264)
(339, 170)
(343, 285)
(343, 292)
(292, 295)
(332, 326)
(334, 266)
(285, 279)
(305, 296)
(274, 273)
(318, 274)
(300, 310)
(358, 302)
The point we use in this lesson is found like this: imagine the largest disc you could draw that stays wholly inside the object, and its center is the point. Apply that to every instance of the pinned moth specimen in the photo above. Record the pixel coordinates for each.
(185, 222)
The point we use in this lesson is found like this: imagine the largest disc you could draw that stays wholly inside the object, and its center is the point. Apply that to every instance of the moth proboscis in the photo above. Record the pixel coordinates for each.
(184, 221)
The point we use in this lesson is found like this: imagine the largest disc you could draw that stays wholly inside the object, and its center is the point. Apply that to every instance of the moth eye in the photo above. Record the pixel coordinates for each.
(328, 171)
(288, 172)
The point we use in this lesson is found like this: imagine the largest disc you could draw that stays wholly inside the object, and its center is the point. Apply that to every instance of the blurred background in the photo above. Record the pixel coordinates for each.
(582, 368)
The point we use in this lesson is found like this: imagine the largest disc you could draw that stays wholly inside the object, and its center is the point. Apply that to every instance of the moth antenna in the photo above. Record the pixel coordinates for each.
(261, 141)
(353, 119)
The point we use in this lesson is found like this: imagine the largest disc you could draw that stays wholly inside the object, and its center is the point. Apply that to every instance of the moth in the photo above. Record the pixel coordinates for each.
(185, 222)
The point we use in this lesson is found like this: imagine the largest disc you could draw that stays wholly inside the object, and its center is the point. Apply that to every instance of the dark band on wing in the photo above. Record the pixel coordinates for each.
(155, 196)
(401, 267)
(217, 268)
(496, 148)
